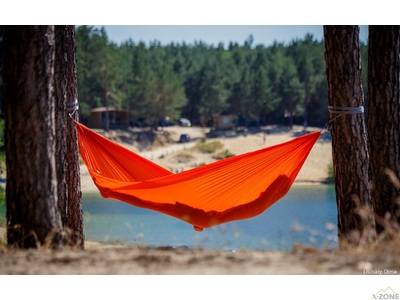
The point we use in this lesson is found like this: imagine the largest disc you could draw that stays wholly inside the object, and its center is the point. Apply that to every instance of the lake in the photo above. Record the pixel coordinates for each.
(306, 215)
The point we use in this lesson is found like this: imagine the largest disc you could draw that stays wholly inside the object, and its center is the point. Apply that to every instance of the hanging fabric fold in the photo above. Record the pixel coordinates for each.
(235, 188)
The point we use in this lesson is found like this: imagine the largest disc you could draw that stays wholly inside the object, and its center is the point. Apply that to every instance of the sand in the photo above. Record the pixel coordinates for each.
(314, 170)
(98, 258)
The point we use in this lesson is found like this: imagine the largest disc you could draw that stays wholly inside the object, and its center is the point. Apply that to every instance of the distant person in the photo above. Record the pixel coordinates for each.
(264, 136)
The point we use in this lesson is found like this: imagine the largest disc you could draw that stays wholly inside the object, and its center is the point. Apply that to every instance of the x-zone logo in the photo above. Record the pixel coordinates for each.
(388, 293)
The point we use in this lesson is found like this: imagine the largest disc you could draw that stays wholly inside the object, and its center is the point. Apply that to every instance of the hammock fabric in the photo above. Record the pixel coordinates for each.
(236, 188)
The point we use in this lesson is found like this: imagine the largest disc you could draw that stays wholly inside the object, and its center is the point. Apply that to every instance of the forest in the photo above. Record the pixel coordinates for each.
(279, 84)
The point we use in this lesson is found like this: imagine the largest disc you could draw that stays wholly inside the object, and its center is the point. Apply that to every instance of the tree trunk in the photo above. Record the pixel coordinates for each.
(33, 218)
(384, 122)
(60, 94)
(67, 158)
(349, 142)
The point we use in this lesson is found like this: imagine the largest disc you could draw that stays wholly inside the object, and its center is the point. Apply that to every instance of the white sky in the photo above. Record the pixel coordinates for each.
(304, 17)
(310, 14)
(214, 34)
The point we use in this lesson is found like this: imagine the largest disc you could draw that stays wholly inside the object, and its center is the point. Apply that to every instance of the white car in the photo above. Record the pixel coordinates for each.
(184, 122)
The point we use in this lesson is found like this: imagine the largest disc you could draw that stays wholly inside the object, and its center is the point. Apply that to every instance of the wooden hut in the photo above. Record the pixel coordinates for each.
(117, 118)
(223, 121)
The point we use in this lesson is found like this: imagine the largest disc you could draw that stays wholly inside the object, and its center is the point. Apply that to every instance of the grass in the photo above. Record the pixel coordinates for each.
(184, 155)
(198, 165)
(2, 202)
(209, 147)
(223, 155)
(330, 177)
(2, 157)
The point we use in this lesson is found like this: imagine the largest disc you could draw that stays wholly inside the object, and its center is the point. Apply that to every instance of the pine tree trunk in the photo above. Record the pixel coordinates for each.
(60, 95)
(384, 121)
(349, 142)
(33, 219)
(67, 158)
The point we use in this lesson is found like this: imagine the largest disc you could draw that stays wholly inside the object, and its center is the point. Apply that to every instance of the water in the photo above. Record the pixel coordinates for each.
(306, 215)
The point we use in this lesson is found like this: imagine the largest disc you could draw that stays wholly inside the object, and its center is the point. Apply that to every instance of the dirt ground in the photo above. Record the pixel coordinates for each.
(110, 259)
(100, 258)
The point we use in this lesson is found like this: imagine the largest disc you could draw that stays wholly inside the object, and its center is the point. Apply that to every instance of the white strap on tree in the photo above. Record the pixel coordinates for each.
(341, 110)
(72, 107)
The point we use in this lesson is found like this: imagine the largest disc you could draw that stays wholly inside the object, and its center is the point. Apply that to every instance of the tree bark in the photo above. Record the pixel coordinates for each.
(349, 141)
(60, 97)
(67, 158)
(384, 123)
(33, 219)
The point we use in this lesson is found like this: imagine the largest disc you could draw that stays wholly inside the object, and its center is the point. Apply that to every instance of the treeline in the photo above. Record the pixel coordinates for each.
(259, 85)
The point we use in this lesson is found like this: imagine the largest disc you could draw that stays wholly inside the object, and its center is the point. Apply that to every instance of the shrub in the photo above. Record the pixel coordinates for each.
(210, 147)
(223, 154)
(184, 154)
(330, 177)
(2, 202)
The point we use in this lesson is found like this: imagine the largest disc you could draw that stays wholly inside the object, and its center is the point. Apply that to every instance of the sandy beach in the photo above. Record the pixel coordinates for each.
(314, 170)
(98, 258)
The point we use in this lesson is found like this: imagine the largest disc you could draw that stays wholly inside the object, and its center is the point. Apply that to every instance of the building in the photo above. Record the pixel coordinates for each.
(117, 118)
(223, 121)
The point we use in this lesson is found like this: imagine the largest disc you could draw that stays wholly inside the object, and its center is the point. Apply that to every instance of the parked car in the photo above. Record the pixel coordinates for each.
(184, 138)
(163, 123)
(184, 122)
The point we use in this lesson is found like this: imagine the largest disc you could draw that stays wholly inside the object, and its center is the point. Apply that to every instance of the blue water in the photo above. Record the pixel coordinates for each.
(306, 215)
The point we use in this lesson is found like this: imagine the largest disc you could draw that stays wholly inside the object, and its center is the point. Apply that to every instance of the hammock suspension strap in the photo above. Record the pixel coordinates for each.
(72, 107)
(341, 111)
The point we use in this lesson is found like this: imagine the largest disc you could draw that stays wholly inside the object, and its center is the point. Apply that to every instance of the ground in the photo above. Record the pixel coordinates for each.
(110, 259)
(100, 258)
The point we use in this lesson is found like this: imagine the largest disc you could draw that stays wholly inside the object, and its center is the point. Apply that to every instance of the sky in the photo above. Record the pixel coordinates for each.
(211, 21)
(215, 34)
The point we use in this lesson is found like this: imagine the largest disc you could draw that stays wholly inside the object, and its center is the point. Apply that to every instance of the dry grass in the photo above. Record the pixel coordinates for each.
(367, 240)
(208, 147)
(223, 155)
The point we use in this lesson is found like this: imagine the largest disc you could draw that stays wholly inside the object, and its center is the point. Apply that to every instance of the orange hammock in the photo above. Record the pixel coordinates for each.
(235, 188)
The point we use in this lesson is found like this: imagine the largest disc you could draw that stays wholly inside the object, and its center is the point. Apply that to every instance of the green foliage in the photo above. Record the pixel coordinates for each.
(262, 85)
(2, 197)
(330, 177)
(1, 133)
(2, 28)
(223, 154)
(209, 147)
(199, 165)
(184, 154)
(2, 202)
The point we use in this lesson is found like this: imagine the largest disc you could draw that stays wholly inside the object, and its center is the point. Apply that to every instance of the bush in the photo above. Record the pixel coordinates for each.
(209, 147)
(2, 202)
(184, 154)
(223, 154)
(331, 177)
(183, 157)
